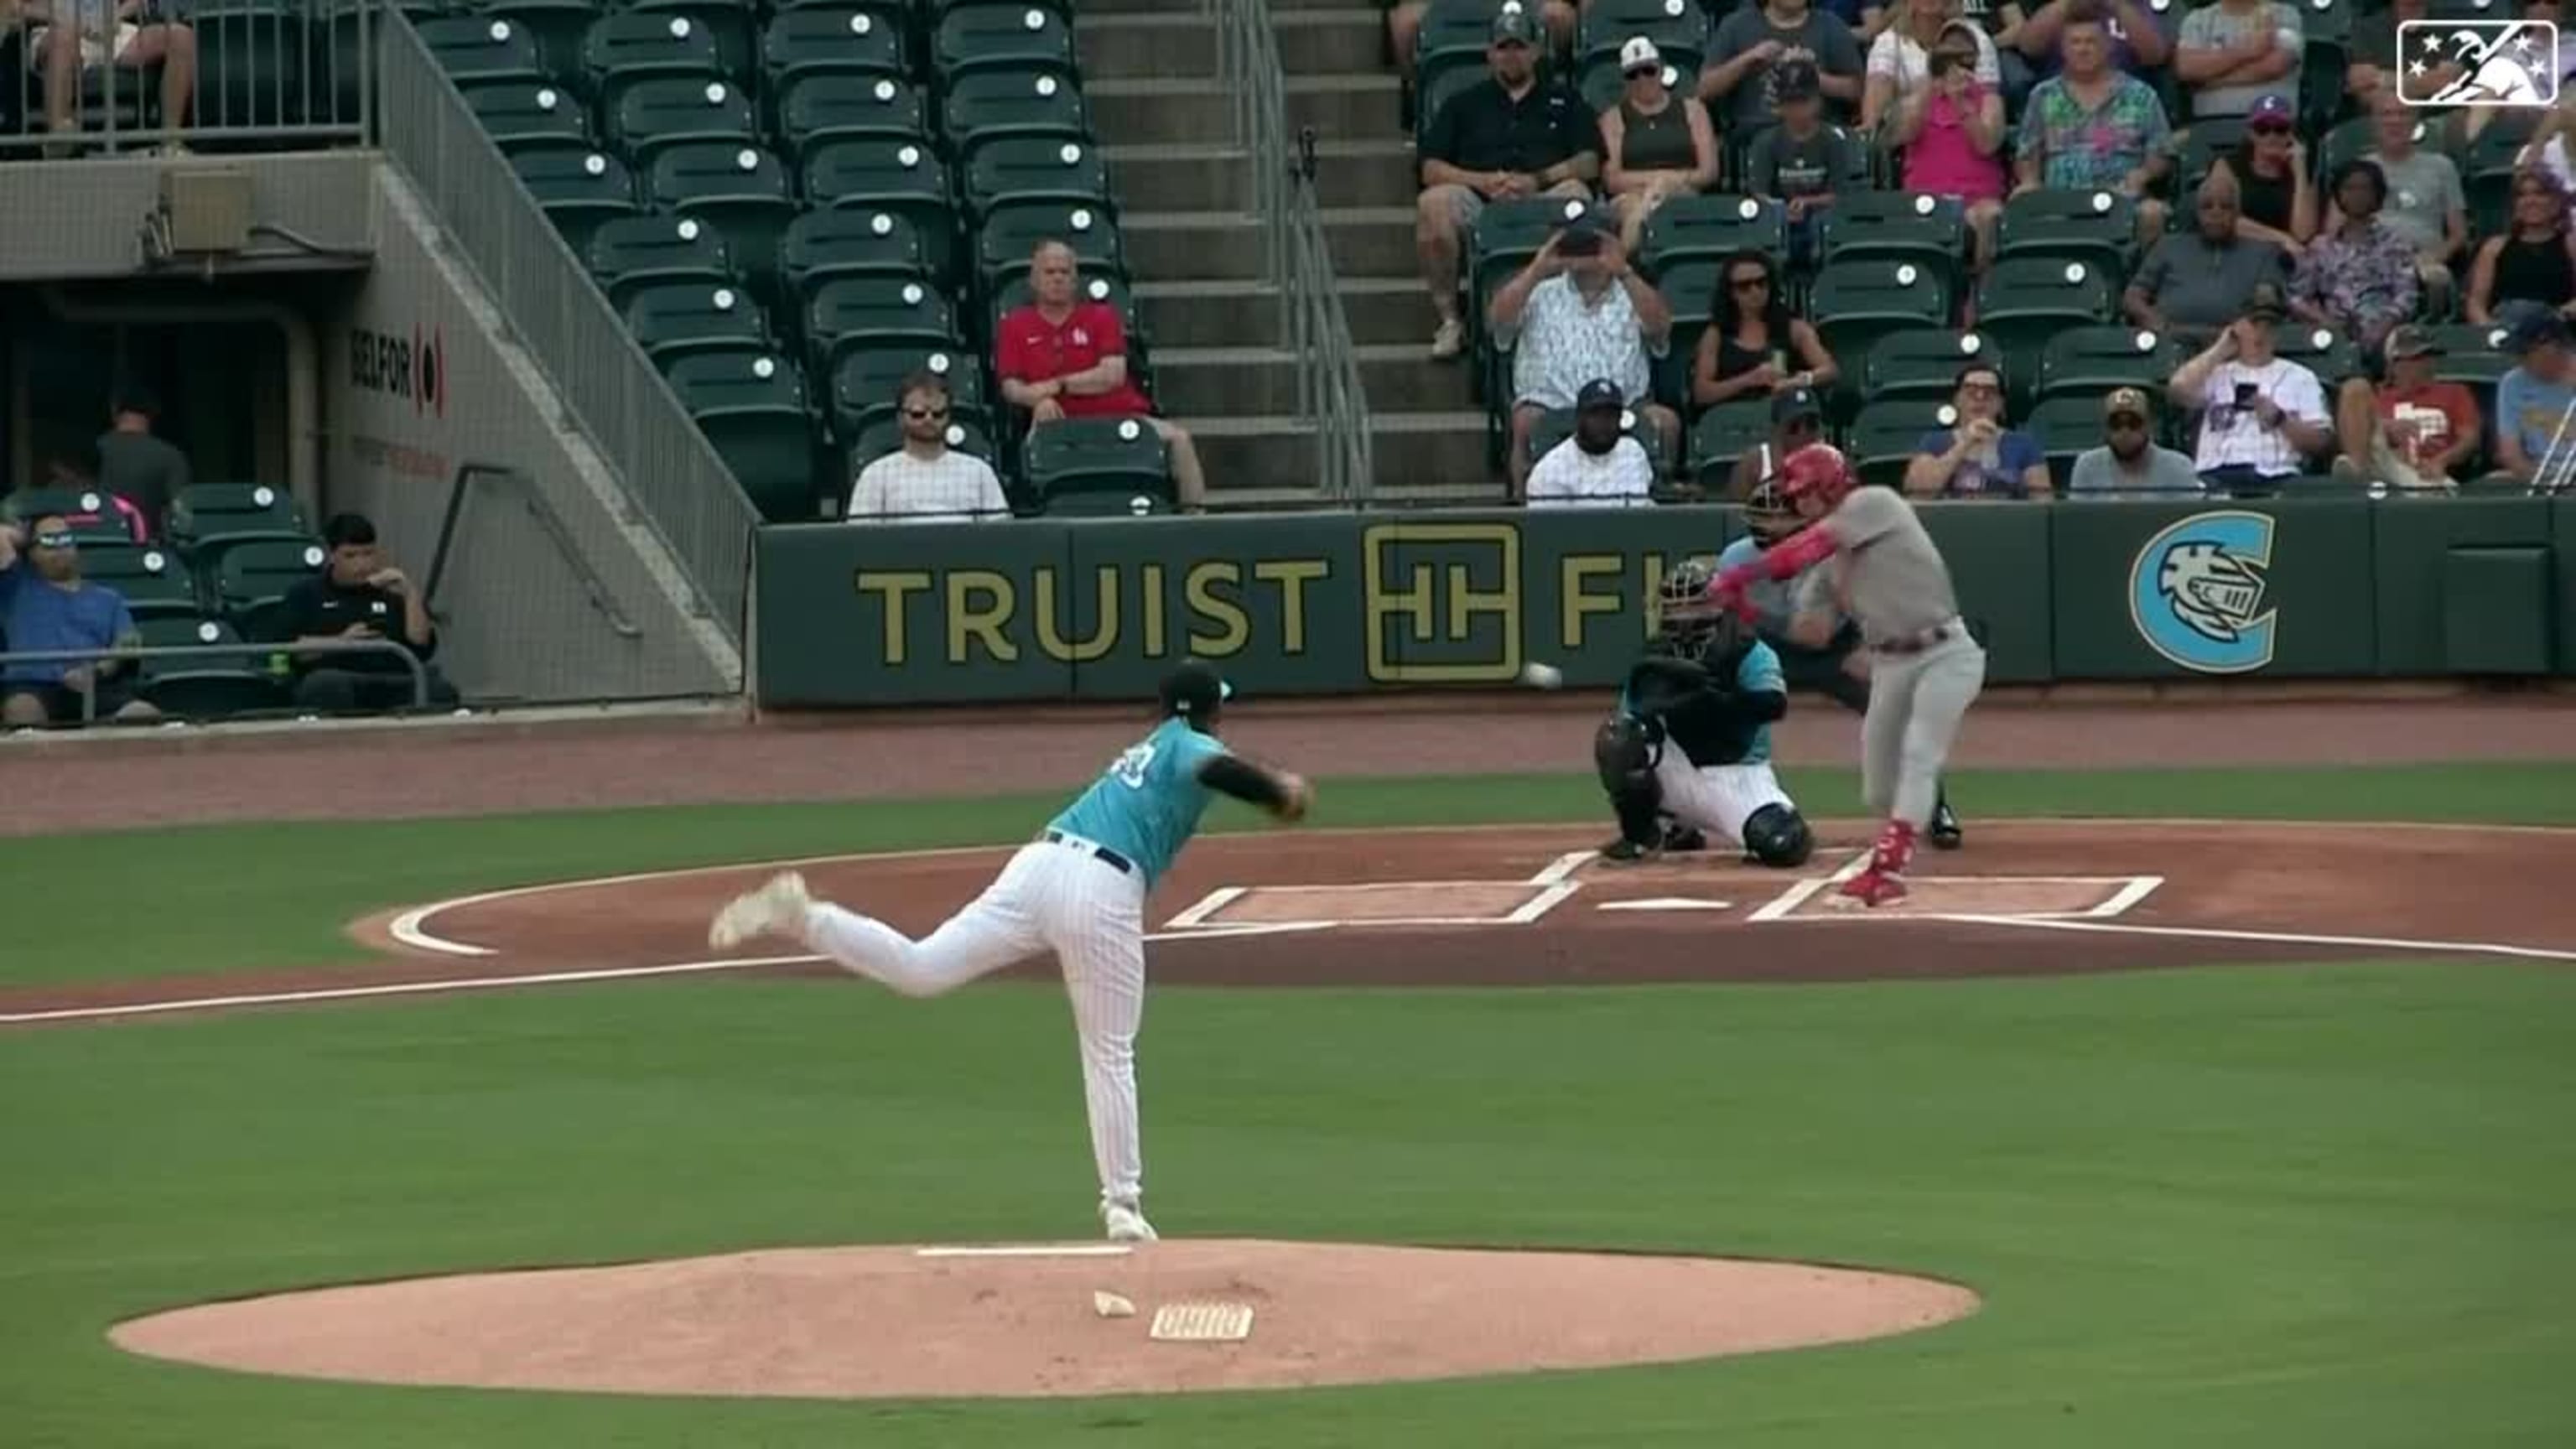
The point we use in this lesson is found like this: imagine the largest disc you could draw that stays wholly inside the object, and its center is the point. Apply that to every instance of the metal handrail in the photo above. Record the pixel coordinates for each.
(239, 649)
(1297, 257)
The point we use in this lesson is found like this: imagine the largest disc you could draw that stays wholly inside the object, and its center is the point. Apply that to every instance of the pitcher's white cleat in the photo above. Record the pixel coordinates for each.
(778, 906)
(1126, 1222)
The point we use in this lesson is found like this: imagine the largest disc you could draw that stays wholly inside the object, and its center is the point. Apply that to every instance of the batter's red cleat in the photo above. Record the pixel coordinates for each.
(1874, 887)
(1884, 882)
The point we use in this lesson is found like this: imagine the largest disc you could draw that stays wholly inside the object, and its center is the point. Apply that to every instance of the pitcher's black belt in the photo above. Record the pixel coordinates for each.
(1107, 856)
(1918, 641)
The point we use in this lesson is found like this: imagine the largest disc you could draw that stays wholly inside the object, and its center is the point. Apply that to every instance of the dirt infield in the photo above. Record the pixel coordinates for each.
(1003, 1321)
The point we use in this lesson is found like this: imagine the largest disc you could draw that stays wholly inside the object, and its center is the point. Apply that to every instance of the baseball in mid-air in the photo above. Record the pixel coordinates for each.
(1541, 676)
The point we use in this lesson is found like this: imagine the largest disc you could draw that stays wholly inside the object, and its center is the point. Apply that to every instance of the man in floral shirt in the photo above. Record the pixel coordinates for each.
(2094, 126)
(2359, 278)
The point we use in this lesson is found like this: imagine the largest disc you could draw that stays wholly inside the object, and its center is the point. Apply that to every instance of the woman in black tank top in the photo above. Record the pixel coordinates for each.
(2276, 200)
(2530, 263)
(1655, 143)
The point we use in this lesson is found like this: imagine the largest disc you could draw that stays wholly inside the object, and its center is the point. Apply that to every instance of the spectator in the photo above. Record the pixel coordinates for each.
(1578, 312)
(2262, 415)
(358, 595)
(1751, 337)
(1754, 40)
(2534, 399)
(1060, 356)
(2000, 23)
(2133, 42)
(1802, 162)
(2196, 282)
(49, 608)
(2275, 198)
(2234, 53)
(1509, 135)
(2130, 460)
(2375, 58)
(1951, 135)
(136, 463)
(2424, 203)
(925, 480)
(1900, 59)
(1980, 457)
(1655, 145)
(1797, 419)
(110, 34)
(2532, 260)
(2359, 276)
(2411, 431)
(1598, 465)
(71, 470)
(2093, 126)
(1404, 29)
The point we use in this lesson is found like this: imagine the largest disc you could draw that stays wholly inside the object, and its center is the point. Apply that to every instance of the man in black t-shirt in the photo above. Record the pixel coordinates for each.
(359, 595)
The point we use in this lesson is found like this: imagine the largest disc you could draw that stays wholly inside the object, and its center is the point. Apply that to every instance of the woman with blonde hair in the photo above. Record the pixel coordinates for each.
(1655, 144)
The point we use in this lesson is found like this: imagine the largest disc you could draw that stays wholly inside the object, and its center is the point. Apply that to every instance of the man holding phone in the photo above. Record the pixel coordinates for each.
(359, 595)
(2262, 415)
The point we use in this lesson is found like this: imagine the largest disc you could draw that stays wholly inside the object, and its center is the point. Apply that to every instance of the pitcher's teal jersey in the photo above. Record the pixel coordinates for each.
(1147, 806)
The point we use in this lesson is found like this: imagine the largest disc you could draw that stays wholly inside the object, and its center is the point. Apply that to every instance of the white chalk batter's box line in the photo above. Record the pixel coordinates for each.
(1543, 900)
(2123, 893)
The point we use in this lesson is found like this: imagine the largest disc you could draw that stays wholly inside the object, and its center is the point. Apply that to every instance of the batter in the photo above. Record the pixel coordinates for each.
(1689, 741)
(1925, 669)
(1078, 890)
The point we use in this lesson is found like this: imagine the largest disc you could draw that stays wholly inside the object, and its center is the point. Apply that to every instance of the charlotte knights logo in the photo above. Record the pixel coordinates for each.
(2196, 592)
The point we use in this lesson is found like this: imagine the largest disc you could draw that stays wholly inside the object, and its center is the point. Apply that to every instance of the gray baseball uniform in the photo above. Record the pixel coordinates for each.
(1925, 670)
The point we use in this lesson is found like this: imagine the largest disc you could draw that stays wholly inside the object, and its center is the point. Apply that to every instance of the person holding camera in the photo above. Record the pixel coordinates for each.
(1578, 312)
(1948, 133)
(2262, 415)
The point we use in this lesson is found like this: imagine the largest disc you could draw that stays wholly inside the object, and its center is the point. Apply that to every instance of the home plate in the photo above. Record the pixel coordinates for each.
(1668, 903)
(1203, 1322)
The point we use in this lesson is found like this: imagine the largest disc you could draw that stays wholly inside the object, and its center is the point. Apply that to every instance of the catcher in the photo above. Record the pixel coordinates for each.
(1687, 750)
(1820, 648)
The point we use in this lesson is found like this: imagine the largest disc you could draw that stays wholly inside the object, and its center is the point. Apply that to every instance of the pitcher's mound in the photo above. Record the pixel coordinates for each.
(889, 1322)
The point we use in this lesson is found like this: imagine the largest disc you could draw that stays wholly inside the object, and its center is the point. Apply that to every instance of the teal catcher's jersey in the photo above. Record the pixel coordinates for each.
(1757, 673)
(1147, 806)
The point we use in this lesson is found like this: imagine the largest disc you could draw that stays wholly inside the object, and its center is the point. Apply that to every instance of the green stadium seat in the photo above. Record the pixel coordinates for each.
(1694, 228)
(654, 115)
(734, 25)
(816, 110)
(1929, 231)
(2471, 354)
(1000, 34)
(752, 406)
(632, 253)
(673, 319)
(901, 178)
(1119, 456)
(885, 434)
(1010, 235)
(2321, 350)
(847, 242)
(1924, 364)
(2089, 361)
(578, 192)
(252, 581)
(2196, 147)
(482, 48)
(623, 47)
(1720, 437)
(745, 190)
(865, 379)
(852, 312)
(203, 686)
(2026, 299)
(2096, 227)
(205, 512)
(156, 582)
(1035, 168)
(2326, 28)
(1689, 290)
(93, 517)
(518, 115)
(1679, 28)
(2066, 427)
(556, 25)
(1854, 303)
(1883, 437)
(831, 40)
(2486, 172)
(984, 106)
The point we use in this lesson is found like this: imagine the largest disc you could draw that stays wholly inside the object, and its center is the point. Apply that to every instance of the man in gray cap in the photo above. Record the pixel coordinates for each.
(2130, 460)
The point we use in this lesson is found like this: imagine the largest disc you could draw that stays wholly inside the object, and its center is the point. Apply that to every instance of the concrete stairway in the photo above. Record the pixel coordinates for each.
(1221, 365)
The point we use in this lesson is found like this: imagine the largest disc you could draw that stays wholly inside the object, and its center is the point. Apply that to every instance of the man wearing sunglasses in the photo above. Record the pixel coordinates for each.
(45, 607)
(2129, 460)
(926, 480)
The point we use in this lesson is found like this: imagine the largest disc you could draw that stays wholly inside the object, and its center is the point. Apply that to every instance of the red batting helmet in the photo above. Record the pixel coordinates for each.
(1819, 470)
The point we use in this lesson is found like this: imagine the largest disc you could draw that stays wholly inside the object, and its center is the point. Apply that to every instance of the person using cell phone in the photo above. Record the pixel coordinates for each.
(2262, 416)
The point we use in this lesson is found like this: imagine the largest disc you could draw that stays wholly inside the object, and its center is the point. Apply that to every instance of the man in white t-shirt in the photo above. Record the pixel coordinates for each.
(1600, 465)
(925, 480)
(2261, 416)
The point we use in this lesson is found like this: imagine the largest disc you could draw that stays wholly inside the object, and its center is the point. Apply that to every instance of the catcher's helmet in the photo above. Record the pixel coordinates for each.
(1688, 620)
(1817, 470)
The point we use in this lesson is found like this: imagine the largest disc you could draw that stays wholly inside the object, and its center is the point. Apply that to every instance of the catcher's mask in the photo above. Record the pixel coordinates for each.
(1767, 514)
(1687, 619)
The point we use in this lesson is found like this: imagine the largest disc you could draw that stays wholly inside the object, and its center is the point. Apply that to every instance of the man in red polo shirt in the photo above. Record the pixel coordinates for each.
(1062, 357)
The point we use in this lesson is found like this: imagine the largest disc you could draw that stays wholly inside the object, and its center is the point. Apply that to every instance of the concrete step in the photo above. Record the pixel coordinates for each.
(1226, 245)
(1432, 455)
(1431, 458)
(1139, 112)
(1175, 41)
(1387, 310)
(1396, 377)
(1269, 456)
(1219, 176)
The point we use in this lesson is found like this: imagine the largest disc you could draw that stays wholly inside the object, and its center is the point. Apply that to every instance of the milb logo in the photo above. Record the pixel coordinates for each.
(2478, 63)
(413, 367)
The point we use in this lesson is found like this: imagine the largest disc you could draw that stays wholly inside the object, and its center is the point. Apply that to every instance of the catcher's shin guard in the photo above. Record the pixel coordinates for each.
(1625, 754)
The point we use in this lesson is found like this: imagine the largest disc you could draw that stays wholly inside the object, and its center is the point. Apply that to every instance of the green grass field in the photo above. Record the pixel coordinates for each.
(2277, 1207)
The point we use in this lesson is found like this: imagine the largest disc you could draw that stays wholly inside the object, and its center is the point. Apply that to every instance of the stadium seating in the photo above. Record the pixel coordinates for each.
(2024, 300)
(631, 253)
(673, 319)
(207, 518)
(752, 406)
(251, 582)
(202, 686)
(1854, 303)
(1923, 364)
(1720, 437)
(1121, 457)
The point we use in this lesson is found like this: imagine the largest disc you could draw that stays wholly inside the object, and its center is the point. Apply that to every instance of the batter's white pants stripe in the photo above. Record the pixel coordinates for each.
(1716, 798)
(1049, 897)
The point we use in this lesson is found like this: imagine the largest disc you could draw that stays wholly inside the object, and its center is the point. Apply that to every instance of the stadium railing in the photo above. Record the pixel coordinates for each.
(1297, 259)
(241, 651)
(271, 73)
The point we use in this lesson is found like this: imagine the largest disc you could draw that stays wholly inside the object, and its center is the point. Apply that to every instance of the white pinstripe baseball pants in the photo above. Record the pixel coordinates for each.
(1717, 798)
(1049, 897)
